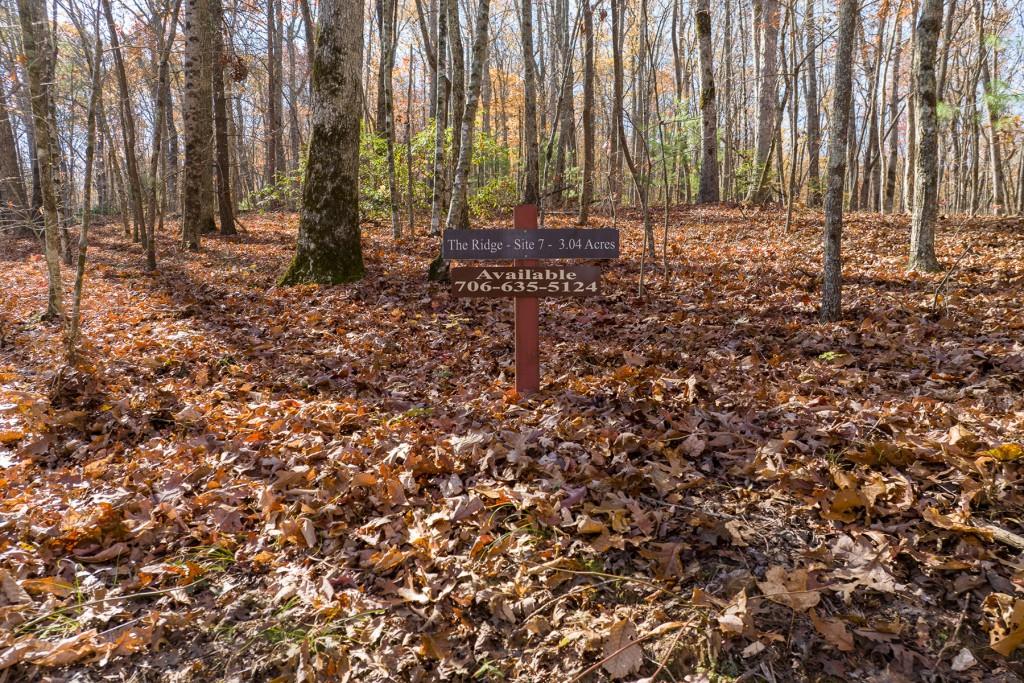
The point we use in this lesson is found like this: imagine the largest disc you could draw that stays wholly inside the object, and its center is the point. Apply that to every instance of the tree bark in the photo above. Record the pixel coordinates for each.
(225, 203)
(922, 227)
(813, 118)
(36, 44)
(458, 211)
(992, 105)
(197, 117)
(83, 235)
(708, 191)
(767, 98)
(131, 161)
(890, 166)
(531, 149)
(329, 246)
(12, 182)
(587, 190)
(831, 291)
(441, 119)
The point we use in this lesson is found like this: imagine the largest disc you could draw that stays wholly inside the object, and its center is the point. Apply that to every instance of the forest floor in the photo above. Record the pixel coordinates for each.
(243, 482)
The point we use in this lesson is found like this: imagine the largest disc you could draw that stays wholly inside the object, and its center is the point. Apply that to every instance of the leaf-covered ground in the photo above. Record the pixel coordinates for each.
(243, 482)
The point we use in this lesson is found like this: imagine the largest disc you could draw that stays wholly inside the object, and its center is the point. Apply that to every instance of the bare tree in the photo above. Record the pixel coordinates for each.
(708, 192)
(832, 281)
(36, 43)
(922, 226)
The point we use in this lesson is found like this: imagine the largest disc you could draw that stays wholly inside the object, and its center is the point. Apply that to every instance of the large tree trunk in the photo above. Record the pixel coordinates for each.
(890, 166)
(386, 112)
(767, 99)
(457, 68)
(993, 107)
(329, 246)
(587, 190)
(441, 120)
(197, 117)
(531, 150)
(274, 162)
(708, 191)
(911, 161)
(922, 227)
(813, 119)
(458, 211)
(831, 291)
(37, 49)
(617, 156)
(225, 203)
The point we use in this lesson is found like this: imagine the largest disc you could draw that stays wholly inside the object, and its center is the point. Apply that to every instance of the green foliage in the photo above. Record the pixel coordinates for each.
(493, 187)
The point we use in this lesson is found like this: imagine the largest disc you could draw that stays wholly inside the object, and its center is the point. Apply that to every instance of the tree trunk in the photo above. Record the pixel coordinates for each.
(36, 45)
(83, 234)
(127, 126)
(831, 291)
(12, 182)
(225, 202)
(890, 166)
(587, 190)
(922, 230)
(813, 118)
(767, 98)
(329, 246)
(708, 192)
(458, 212)
(911, 161)
(992, 105)
(386, 113)
(457, 67)
(440, 121)
(531, 151)
(197, 118)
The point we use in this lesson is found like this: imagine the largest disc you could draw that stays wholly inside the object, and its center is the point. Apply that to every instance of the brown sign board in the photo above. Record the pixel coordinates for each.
(548, 243)
(525, 281)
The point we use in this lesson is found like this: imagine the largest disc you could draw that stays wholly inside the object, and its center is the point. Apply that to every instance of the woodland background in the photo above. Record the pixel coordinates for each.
(742, 465)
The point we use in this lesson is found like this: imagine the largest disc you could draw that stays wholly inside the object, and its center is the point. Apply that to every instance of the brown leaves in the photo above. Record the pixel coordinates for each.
(623, 656)
(1004, 622)
(790, 588)
(348, 472)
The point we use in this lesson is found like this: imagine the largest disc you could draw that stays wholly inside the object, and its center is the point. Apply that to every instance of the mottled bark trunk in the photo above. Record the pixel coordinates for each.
(813, 118)
(457, 68)
(531, 150)
(329, 246)
(922, 227)
(891, 164)
(708, 191)
(387, 112)
(441, 120)
(767, 98)
(458, 211)
(197, 117)
(36, 45)
(225, 203)
(587, 190)
(992, 106)
(832, 280)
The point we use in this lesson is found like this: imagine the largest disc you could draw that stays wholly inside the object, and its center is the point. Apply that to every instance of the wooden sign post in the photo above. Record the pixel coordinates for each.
(527, 317)
(526, 280)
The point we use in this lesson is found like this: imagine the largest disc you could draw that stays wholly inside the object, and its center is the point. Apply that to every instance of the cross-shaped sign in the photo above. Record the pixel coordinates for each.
(526, 280)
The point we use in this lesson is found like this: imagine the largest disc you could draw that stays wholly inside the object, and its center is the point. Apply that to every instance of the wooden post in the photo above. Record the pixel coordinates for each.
(527, 316)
